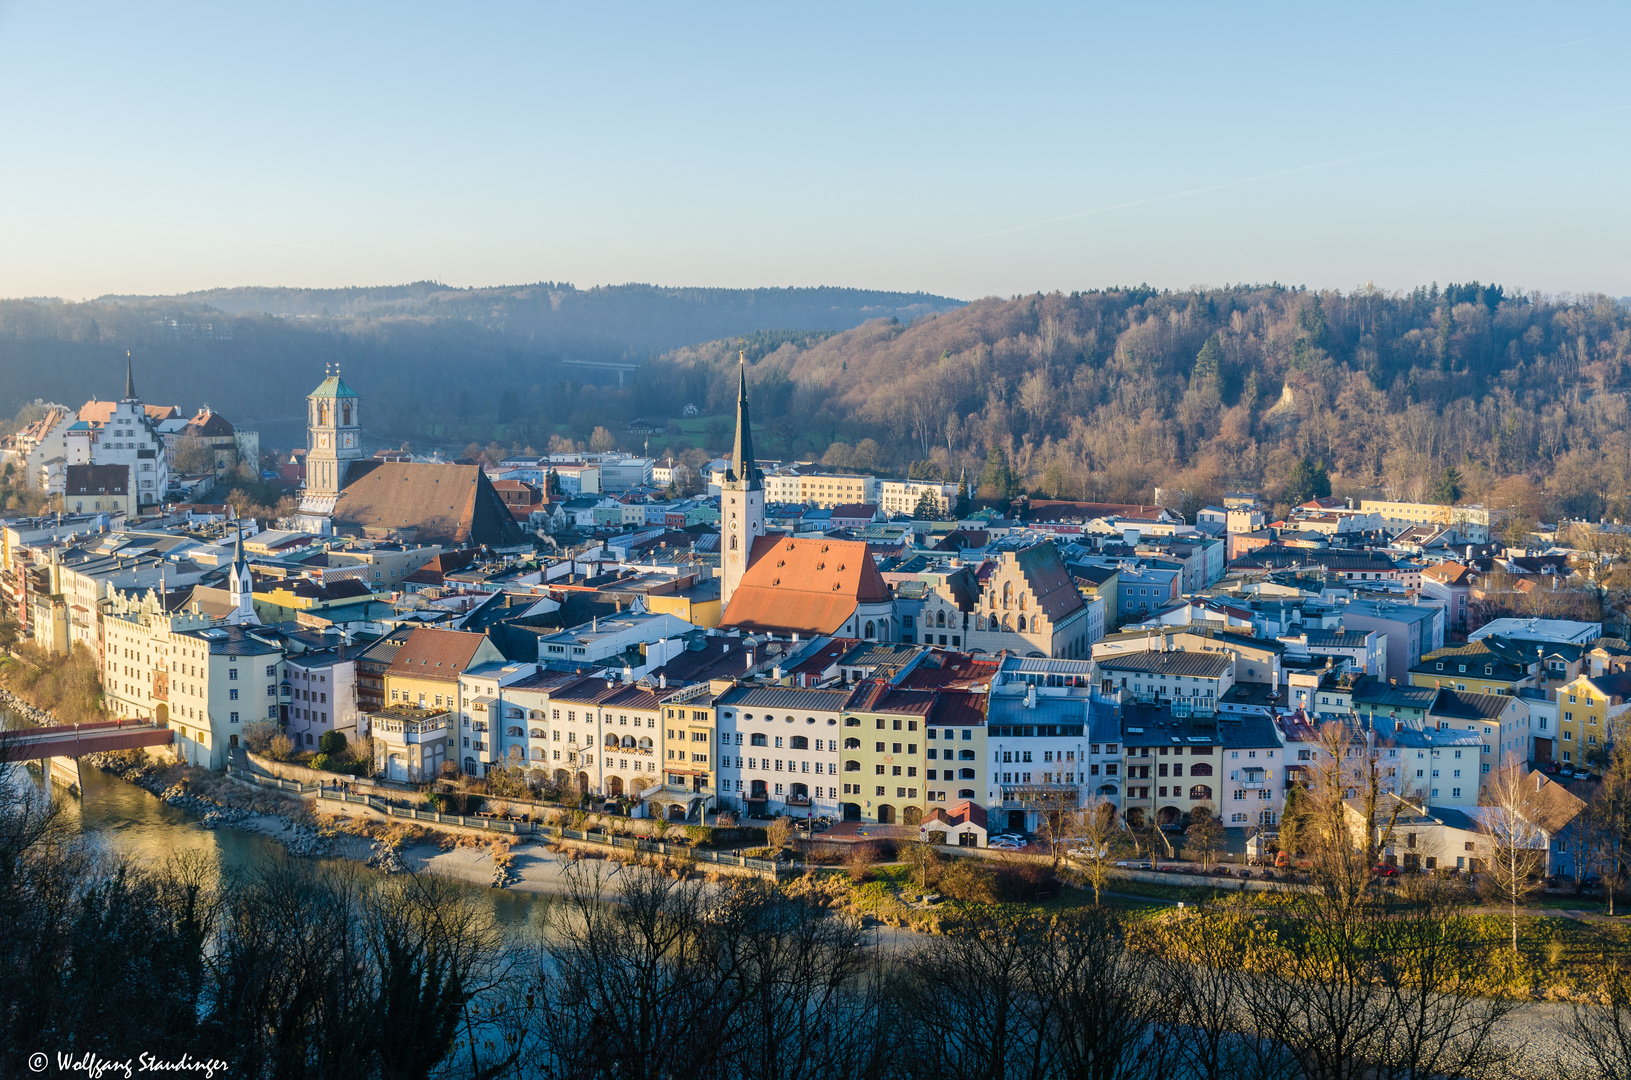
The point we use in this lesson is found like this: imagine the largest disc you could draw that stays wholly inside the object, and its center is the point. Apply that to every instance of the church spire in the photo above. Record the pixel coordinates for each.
(130, 379)
(742, 469)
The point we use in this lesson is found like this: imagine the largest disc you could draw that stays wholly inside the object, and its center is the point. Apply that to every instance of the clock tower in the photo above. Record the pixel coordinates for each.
(741, 499)
(333, 435)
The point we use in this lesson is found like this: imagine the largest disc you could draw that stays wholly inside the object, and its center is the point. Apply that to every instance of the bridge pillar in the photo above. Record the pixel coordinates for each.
(64, 771)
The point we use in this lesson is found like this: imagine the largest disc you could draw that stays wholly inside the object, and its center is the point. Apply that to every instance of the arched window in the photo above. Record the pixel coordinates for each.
(940, 618)
(852, 766)
(1200, 768)
(965, 793)
(733, 542)
(345, 412)
(628, 742)
(1007, 625)
(852, 744)
(965, 774)
(1022, 620)
(979, 621)
(871, 631)
(1200, 791)
(537, 733)
(758, 739)
(538, 753)
(965, 755)
(1022, 601)
(611, 740)
(322, 421)
(514, 733)
(800, 743)
(1007, 593)
(645, 743)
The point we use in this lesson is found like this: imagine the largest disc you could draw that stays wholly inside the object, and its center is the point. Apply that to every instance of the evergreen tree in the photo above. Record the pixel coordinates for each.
(1447, 488)
(1208, 362)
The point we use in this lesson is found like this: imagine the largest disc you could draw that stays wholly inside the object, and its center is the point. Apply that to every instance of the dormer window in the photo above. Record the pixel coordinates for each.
(1441, 665)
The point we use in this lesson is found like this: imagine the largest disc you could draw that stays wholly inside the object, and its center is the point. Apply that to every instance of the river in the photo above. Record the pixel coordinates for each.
(125, 821)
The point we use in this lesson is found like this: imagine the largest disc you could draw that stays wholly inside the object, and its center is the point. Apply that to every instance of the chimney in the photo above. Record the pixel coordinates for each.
(662, 681)
(749, 659)
(1030, 696)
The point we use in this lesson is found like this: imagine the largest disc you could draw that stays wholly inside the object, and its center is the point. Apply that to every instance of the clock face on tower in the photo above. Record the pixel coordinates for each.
(322, 439)
(346, 439)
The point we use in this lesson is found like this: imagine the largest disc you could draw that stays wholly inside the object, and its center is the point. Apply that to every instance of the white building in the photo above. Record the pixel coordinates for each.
(130, 437)
(606, 639)
(205, 681)
(779, 749)
(903, 496)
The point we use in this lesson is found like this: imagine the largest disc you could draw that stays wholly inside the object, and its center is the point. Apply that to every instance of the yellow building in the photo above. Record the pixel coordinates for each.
(820, 489)
(699, 605)
(690, 734)
(425, 671)
(1588, 711)
(1472, 669)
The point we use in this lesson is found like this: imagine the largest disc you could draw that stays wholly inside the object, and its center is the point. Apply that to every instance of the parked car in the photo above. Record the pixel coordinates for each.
(1384, 870)
(1242, 873)
(1002, 843)
(1550, 768)
(1582, 774)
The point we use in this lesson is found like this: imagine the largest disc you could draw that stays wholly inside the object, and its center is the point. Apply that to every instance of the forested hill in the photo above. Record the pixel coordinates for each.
(1106, 395)
(253, 353)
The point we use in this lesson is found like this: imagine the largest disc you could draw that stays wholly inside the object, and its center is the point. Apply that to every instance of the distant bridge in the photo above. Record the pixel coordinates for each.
(621, 367)
(77, 740)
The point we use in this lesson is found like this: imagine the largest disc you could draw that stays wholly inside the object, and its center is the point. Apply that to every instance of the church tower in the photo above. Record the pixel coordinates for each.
(241, 587)
(333, 436)
(741, 499)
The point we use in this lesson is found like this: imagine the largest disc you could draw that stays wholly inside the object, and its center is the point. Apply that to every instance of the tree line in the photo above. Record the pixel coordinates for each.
(1469, 391)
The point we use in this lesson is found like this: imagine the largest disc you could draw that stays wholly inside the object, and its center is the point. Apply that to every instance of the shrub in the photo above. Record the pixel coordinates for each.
(332, 744)
(861, 859)
(967, 880)
(258, 736)
(280, 748)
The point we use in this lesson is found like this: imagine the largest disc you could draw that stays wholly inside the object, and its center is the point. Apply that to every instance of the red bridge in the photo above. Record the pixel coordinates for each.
(75, 740)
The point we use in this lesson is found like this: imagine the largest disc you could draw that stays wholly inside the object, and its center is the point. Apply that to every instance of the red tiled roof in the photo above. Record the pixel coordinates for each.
(811, 586)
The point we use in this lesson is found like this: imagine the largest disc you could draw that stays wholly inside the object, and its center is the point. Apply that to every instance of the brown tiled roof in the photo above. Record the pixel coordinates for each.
(207, 425)
(1450, 573)
(99, 412)
(950, 669)
(430, 653)
(1557, 805)
(98, 479)
(593, 690)
(811, 586)
(961, 813)
(448, 504)
(1048, 578)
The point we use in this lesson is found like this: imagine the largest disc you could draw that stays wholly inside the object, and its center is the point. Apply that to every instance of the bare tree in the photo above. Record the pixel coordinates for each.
(1509, 822)
(1205, 834)
(1104, 839)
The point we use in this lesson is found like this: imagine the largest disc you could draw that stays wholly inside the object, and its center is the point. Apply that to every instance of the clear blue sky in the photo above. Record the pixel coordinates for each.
(964, 150)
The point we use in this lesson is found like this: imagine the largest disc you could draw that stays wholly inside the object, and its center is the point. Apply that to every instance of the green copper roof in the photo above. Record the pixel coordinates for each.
(332, 387)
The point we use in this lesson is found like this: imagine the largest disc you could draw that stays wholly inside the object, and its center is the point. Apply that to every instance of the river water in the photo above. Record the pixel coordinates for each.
(125, 821)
